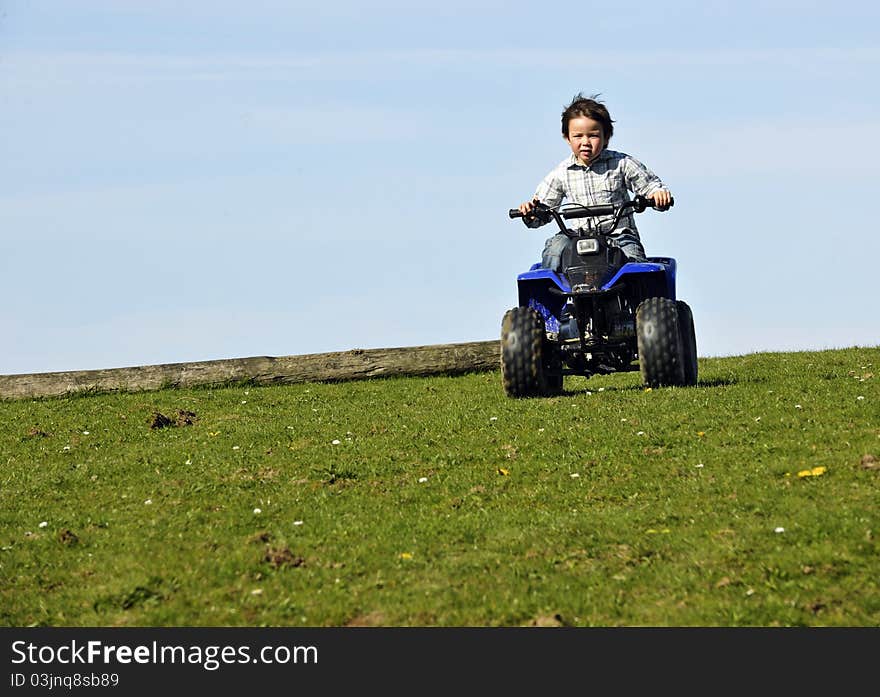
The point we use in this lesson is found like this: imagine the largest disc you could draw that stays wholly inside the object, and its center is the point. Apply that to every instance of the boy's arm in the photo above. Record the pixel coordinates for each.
(549, 192)
(641, 180)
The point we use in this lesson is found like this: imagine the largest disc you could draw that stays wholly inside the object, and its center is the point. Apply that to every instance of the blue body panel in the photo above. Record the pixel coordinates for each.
(534, 292)
(535, 286)
(663, 265)
(536, 273)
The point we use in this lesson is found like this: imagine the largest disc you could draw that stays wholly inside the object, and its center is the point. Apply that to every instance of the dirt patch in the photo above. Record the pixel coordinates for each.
(36, 432)
(869, 462)
(281, 557)
(68, 537)
(183, 418)
(370, 619)
(159, 420)
(546, 621)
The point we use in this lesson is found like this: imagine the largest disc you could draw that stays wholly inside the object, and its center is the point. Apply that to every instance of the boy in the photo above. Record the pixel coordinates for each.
(593, 175)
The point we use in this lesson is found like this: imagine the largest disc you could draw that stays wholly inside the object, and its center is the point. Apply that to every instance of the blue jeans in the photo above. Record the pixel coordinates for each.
(626, 239)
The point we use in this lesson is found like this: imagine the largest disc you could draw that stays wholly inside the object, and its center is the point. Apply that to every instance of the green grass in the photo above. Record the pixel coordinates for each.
(444, 503)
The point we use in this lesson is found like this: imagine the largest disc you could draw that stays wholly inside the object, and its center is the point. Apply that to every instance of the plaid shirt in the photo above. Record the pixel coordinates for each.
(605, 180)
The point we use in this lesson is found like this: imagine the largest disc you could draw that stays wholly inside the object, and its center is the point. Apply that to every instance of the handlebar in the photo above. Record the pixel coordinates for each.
(638, 204)
(589, 211)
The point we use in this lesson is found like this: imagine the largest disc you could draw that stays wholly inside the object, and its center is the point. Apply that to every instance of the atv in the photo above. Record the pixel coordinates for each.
(600, 315)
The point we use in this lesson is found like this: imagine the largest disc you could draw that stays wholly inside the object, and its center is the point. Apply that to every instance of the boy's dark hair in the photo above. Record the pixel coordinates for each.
(590, 107)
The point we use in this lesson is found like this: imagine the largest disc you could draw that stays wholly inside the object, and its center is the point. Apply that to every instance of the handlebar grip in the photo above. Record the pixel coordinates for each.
(649, 202)
(514, 213)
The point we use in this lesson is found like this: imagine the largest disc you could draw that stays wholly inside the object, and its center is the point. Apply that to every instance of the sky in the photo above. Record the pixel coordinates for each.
(191, 181)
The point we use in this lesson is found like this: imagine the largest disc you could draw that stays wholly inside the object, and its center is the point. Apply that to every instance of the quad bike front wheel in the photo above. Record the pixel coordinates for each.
(666, 354)
(528, 361)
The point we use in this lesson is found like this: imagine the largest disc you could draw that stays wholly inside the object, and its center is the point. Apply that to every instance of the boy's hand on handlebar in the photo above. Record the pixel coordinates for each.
(662, 199)
(527, 208)
(534, 210)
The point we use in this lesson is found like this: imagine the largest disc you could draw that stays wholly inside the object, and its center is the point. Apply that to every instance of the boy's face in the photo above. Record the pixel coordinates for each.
(586, 138)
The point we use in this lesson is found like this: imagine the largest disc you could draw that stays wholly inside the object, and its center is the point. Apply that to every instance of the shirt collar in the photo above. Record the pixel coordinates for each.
(574, 162)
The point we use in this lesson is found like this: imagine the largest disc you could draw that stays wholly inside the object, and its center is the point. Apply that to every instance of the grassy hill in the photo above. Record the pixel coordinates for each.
(750, 499)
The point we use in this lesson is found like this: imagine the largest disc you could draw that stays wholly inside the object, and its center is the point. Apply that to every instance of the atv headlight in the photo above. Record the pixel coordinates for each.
(588, 246)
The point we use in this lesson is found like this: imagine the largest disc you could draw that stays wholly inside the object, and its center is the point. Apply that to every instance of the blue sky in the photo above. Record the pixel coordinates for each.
(204, 180)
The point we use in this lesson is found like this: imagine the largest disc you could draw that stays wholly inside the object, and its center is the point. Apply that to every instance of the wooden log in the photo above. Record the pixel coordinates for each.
(357, 364)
